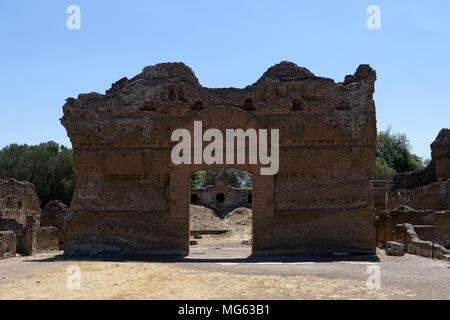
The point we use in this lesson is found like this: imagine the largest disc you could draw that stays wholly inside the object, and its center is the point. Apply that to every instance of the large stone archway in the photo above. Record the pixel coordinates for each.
(222, 118)
(130, 197)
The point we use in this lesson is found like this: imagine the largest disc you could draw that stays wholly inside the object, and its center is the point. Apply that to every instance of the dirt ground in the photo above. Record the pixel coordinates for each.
(221, 267)
(236, 225)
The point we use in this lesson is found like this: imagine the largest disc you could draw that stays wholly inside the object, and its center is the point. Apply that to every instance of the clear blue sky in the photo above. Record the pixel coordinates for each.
(227, 44)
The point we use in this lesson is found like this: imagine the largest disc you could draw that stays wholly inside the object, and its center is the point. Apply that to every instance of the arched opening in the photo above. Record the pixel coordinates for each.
(221, 218)
(220, 197)
(183, 176)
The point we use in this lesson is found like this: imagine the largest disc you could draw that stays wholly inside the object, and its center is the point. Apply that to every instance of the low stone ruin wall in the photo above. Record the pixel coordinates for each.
(7, 244)
(47, 239)
(55, 214)
(387, 220)
(18, 200)
(422, 231)
(19, 231)
(20, 215)
(428, 188)
(435, 195)
(442, 232)
(406, 234)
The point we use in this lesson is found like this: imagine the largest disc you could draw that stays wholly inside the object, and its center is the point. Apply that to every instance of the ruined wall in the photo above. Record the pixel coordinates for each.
(19, 206)
(428, 188)
(54, 214)
(222, 197)
(442, 229)
(388, 220)
(428, 225)
(440, 154)
(380, 190)
(407, 234)
(47, 239)
(435, 195)
(18, 200)
(7, 244)
(18, 229)
(129, 197)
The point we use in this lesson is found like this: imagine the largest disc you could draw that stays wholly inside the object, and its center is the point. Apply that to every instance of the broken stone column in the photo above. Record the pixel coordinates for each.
(31, 231)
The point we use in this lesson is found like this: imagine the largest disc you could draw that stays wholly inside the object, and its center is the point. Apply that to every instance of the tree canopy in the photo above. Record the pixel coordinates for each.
(48, 166)
(232, 177)
(393, 155)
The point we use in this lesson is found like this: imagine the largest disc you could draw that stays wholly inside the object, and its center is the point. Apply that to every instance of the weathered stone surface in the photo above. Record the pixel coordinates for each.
(222, 197)
(31, 231)
(19, 231)
(93, 248)
(395, 248)
(128, 192)
(21, 214)
(442, 230)
(18, 200)
(437, 170)
(435, 195)
(428, 188)
(440, 153)
(47, 239)
(407, 235)
(54, 214)
(7, 244)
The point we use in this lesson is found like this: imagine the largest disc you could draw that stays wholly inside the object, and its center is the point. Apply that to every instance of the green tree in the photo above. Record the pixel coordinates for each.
(382, 171)
(232, 177)
(393, 155)
(198, 179)
(48, 166)
(395, 149)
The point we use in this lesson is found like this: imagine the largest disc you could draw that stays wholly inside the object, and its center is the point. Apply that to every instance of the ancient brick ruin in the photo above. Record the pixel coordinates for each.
(222, 197)
(428, 188)
(414, 208)
(54, 214)
(130, 197)
(20, 215)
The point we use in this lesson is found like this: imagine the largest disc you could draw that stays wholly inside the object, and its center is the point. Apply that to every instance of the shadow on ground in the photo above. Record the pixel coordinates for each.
(191, 259)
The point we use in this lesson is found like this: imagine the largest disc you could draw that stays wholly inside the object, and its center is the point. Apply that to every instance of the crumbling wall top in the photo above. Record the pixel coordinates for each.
(441, 145)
